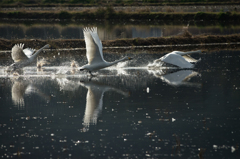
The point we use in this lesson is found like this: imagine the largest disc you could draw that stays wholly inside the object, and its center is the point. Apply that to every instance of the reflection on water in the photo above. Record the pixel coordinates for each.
(177, 77)
(111, 32)
(59, 113)
(22, 87)
(94, 100)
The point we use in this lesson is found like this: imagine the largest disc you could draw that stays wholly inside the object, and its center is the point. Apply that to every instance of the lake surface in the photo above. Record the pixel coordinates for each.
(60, 112)
(110, 30)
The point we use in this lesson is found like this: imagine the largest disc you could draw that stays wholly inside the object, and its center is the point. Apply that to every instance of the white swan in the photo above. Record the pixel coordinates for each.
(177, 58)
(23, 57)
(94, 52)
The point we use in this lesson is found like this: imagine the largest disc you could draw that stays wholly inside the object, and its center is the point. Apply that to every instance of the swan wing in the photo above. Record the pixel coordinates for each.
(177, 60)
(29, 52)
(189, 58)
(93, 46)
(17, 53)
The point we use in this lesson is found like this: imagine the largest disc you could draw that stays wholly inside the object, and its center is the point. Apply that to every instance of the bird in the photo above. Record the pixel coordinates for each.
(23, 57)
(177, 58)
(94, 52)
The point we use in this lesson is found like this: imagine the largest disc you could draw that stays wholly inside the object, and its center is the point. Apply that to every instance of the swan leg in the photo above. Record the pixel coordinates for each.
(91, 74)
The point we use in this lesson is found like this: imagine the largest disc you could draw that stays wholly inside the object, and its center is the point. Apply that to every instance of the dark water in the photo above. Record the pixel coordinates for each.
(109, 30)
(48, 114)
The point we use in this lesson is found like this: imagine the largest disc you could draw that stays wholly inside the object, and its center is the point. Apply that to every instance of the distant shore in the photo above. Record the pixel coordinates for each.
(109, 13)
(229, 41)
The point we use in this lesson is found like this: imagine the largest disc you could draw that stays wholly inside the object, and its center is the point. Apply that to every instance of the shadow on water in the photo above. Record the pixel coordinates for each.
(127, 111)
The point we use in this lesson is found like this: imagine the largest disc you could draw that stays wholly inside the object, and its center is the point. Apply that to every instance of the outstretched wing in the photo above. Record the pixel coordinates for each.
(29, 52)
(177, 60)
(93, 46)
(189, 58)
(17, 53)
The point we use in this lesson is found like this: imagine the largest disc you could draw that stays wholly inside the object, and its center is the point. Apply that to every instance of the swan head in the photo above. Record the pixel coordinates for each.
(12, 67)
(128, 58)
(85, 67)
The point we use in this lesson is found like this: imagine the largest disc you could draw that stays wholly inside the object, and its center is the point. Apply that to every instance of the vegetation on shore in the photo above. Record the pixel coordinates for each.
(73, 3)
(109, 13)
(79, 43)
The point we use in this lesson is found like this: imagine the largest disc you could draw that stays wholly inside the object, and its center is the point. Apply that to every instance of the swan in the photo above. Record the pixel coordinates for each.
(23, 57)
(94, 52)
(177, 58)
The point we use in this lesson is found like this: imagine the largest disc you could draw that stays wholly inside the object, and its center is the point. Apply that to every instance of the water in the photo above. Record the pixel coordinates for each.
(110, 30)
(56, 112)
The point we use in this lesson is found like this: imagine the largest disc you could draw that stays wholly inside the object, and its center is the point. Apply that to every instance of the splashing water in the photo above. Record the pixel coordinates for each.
(41, 62)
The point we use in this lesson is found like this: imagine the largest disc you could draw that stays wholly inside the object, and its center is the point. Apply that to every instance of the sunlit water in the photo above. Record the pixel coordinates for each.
(61, 112)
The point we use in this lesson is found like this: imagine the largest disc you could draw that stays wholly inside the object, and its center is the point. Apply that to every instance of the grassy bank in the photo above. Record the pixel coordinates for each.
(85, 3)
(110, 14)
(57, 44)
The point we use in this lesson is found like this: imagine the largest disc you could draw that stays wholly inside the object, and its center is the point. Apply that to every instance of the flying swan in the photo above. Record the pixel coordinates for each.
(177, 58)
(23, 57)
(94, 52)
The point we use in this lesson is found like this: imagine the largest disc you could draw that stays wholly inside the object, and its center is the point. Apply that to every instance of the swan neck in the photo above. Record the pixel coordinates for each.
(191, 52)
(115, 62)
(38, 51)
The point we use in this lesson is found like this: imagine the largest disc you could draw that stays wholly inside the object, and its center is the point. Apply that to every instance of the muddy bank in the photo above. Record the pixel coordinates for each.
(149, 8)
(136, 43)
(111, 14)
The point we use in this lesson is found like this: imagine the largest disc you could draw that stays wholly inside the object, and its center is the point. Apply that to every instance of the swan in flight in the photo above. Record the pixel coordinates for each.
(177, 58)
(23, 57)
(94, 52)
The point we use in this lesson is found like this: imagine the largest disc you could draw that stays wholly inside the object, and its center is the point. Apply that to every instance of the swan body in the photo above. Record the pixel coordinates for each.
(178, 58)
(94, 52)
(23, 57)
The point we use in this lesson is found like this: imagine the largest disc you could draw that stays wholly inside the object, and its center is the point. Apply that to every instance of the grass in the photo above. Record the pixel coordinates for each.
(76, 43)
(42, 3)
(108, 13)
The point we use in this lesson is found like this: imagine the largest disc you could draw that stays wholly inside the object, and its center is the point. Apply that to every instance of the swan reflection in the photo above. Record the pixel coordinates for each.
(94, 100)
(23, 87)
(176, 77)
(67, 84)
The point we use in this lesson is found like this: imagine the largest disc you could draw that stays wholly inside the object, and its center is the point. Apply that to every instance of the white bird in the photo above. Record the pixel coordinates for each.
(23, 57)
(178, 58)
(94, 52)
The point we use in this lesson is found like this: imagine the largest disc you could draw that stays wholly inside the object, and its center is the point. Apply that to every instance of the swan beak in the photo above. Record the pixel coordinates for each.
(129, 58)
(81, 69)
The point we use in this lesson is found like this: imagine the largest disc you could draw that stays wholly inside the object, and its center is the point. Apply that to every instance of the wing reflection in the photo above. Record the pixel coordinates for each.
(66, 84)
(177, 77)
(21, 87)
(94, 100)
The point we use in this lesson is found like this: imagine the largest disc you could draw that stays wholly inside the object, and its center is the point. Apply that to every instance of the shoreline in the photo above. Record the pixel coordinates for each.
(110, 14)
(154, 44)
